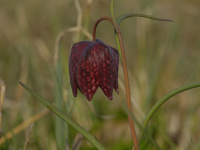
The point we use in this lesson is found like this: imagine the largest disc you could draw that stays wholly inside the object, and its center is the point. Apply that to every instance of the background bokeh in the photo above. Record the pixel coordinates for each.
(161, 56)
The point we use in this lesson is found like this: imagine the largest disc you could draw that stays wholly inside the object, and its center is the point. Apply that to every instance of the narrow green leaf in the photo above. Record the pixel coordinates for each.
(77, 127)
(61, 129)
(124, 16)
(164, 99)
(118, 46)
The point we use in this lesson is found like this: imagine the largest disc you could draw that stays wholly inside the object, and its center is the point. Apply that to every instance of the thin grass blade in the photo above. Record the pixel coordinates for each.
(78, 128)
(122, 17)
(164, 99)
(60, 128)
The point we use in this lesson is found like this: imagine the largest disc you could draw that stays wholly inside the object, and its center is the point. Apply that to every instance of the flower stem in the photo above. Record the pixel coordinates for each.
(97, 22)
(125, 70)
(126, 78)
(128, 93)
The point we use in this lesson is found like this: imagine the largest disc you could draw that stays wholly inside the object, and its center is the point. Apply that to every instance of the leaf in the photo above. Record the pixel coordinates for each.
(164, 99)
(77, 127)
(124, 16)
(61, 128)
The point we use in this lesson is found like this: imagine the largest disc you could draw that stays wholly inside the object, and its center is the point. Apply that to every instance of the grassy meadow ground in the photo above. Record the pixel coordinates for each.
(161, 56)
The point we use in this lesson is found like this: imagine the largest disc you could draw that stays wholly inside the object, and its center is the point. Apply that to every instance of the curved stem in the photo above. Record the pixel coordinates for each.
(125, 70)
(164, 99)
(126, 78)
(97, 22)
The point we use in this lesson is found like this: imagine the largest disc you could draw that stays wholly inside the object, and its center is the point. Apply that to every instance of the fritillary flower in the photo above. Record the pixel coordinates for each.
(93, 65)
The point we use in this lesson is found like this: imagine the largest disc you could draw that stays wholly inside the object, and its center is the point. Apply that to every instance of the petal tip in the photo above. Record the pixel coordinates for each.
(110, 97)
(75, 94)
(117, 91)
(89, 98)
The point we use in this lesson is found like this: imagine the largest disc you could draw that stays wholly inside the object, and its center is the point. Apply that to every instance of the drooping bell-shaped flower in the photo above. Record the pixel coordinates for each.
(93, 65)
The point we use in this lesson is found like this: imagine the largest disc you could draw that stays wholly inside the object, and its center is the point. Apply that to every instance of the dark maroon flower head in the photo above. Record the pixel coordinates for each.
(93, 65)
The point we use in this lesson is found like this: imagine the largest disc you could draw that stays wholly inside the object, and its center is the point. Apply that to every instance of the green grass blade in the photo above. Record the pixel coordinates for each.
(122, 17)
(118, 46)
(78, 128)
(164, 99)
(60, 128)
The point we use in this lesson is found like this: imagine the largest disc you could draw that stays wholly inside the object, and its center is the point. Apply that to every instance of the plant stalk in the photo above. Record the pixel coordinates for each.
(97, 22)
(126, 78)
(128, 93)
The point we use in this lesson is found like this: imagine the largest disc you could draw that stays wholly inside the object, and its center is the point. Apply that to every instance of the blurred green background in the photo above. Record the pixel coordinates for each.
(161, 56)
